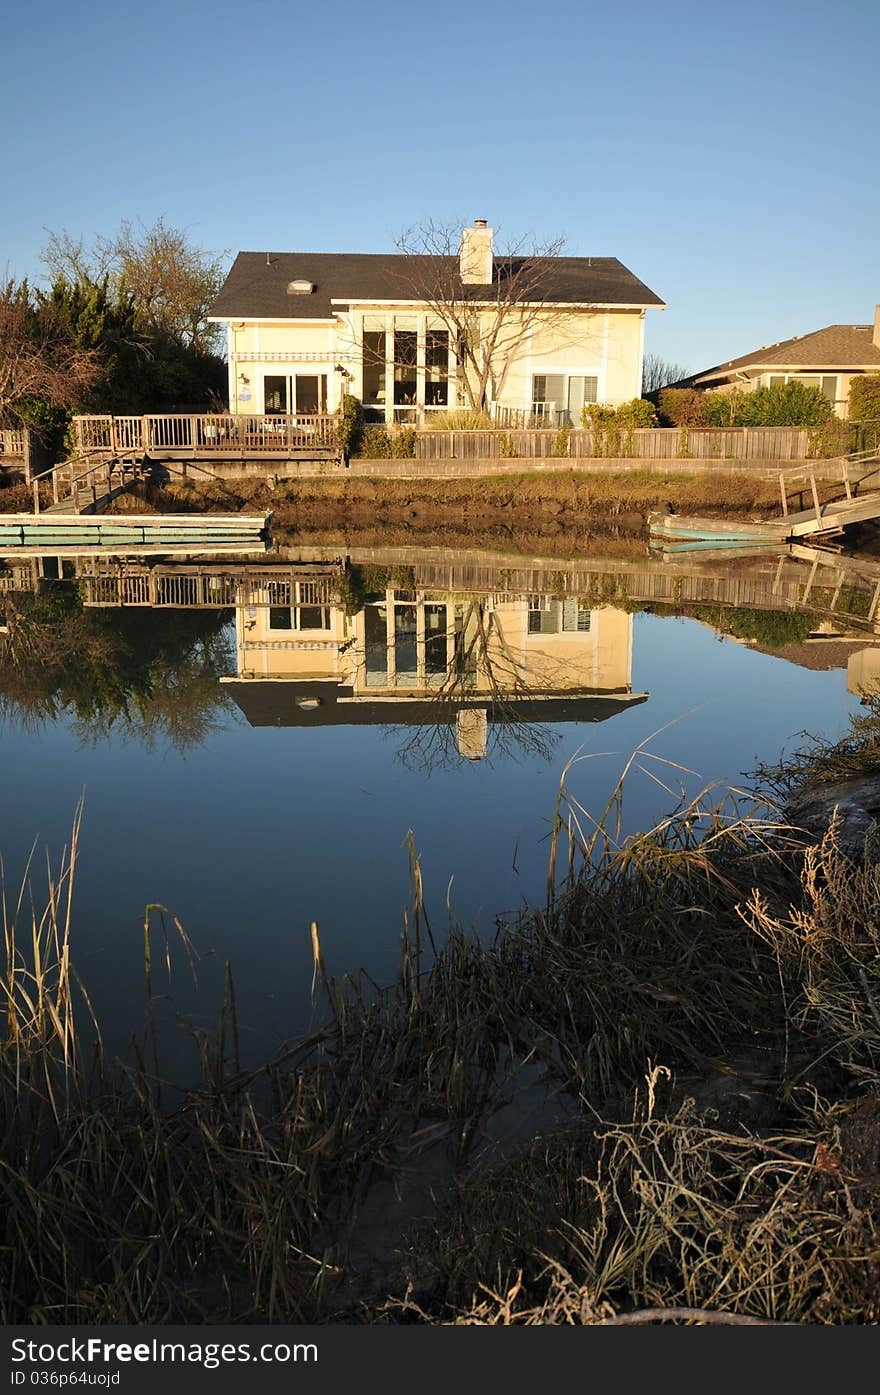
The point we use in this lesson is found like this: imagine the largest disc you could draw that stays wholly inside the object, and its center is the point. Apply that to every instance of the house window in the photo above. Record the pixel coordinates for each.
(375, 647)
(435, 639)
(581, 390)
(406, 662)
(575, 616)
(301, 617)
(275, 395)
(311, 393)
(560, 397)
(373, 367)
(826, 383)
(437, 368)
(467, 356)
(313, 617)
(406, 347)
(548, 396)
(543, 615)
(304, 392)
(829, 388)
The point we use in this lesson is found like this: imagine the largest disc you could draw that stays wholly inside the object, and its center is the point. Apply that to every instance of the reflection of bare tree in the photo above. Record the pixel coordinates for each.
(477, 711)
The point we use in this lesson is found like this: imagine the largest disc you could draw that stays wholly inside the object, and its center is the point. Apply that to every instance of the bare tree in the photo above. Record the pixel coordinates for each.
(39, 357)
(489, 325)
(172, 281)
(658, 373)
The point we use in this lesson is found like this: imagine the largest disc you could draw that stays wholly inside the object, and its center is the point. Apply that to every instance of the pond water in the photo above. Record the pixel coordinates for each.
(254, 740)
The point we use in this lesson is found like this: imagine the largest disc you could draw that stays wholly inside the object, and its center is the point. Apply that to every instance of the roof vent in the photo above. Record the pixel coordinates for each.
(300, 287)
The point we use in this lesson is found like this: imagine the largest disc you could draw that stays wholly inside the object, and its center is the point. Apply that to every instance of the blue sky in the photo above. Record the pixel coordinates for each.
(728, 155)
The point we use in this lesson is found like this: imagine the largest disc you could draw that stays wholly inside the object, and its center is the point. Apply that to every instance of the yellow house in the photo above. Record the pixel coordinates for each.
(827, 359)
(413, 336)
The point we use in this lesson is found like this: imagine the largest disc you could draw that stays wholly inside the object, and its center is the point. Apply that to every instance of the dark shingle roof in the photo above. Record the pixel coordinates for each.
(836, 346)
(256, 287)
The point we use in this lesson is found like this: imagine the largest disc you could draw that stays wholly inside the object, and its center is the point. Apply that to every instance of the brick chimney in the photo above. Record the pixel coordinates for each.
(877, 326)
(475, 254)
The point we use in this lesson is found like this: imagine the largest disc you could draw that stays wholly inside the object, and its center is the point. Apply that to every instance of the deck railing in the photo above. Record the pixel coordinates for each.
(211, 433)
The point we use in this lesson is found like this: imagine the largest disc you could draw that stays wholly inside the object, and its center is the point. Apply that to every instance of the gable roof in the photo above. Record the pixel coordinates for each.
(256, 287)
(836, 346)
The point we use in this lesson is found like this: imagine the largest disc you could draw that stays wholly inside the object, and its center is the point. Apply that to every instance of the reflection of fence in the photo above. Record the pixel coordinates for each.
(209, 434)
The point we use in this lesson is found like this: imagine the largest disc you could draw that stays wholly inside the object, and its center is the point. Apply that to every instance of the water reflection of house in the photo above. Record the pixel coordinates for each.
(411, 657)
(863, 672)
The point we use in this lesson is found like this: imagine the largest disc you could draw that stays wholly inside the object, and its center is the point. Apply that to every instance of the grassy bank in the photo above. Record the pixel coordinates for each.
(562, 498)
(696, 1010)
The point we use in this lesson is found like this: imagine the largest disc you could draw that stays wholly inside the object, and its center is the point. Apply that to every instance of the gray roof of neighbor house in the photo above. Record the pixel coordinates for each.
(836, 346)
(257, 284)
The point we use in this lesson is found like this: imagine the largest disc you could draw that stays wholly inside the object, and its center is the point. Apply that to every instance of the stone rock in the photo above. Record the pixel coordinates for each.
(856, 799)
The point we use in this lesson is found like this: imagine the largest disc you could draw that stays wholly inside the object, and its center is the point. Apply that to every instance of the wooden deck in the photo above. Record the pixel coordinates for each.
(210, 436)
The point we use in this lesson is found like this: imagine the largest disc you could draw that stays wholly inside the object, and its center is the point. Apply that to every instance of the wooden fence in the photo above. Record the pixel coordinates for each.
(699, 443)
(218, 435)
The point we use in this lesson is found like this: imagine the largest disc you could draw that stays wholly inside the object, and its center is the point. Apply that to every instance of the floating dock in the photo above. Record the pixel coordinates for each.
(823, 519)
(816, 522)
(131, 530)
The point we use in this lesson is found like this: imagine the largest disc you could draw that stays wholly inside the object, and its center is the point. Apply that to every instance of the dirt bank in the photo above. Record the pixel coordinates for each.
(515, 504)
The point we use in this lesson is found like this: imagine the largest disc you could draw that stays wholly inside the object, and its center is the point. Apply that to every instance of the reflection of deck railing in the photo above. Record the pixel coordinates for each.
(203, 588)
(209, 434)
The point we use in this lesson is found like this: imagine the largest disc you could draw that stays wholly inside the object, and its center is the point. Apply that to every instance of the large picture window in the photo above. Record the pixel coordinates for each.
(437, 368)
(406, 347)
(373, 365)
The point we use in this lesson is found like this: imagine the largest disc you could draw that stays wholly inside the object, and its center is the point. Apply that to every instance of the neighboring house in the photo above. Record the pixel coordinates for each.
(827, 359)
(302, 326)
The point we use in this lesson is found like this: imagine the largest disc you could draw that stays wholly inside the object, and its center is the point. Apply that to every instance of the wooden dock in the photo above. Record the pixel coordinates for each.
(821, 519)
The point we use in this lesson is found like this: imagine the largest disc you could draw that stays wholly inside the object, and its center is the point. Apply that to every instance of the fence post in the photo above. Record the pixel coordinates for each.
(36, 497)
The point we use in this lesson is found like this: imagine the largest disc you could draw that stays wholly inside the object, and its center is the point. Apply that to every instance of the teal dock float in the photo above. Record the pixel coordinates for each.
(116, 530)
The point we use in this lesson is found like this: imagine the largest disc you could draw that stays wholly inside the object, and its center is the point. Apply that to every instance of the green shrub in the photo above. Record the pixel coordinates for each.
(350, 430)
(506, 448)
(864, 397)
(403, 443)
(562, 441)
(613, 428)
(376, 443)
(830, 439)
(784, 404)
